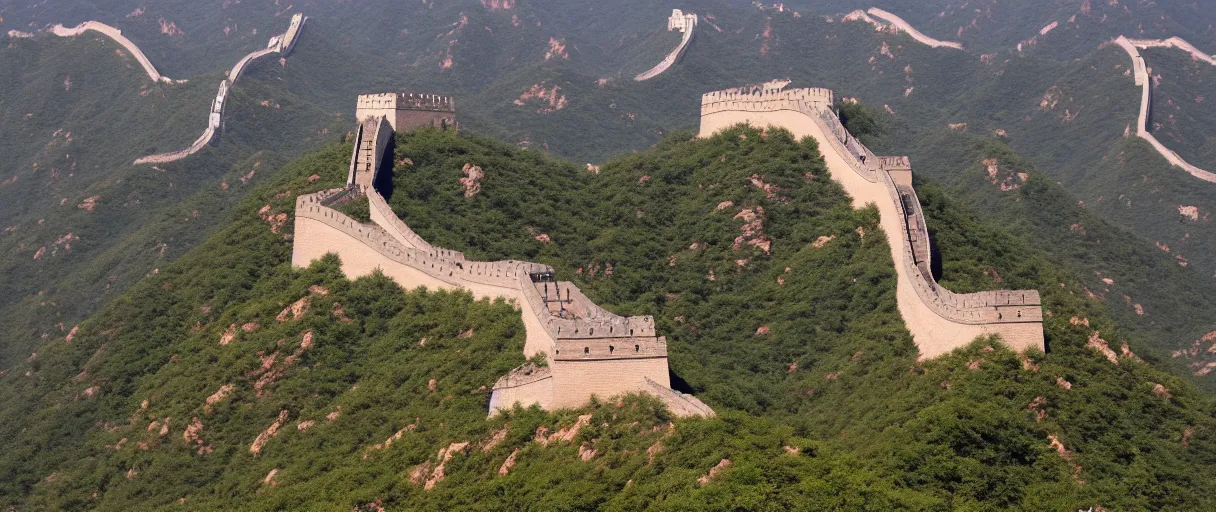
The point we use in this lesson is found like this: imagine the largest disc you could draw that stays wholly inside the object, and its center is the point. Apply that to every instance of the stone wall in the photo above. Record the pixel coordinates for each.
(215, 117)
(122, 40)
(939, 319)
(590, 350)
(678, 21)
(407, 111)
(1142, 79)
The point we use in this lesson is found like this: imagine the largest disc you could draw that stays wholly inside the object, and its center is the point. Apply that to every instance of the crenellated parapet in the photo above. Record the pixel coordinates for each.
(406, 111)
(940, 320)
(590, 350)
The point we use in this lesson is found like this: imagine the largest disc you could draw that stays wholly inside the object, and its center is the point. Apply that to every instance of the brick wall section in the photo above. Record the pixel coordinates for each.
(590, 350)
(407, 111)
(1140, 71)
(1016, 315)
(678, 21)
(215, 118)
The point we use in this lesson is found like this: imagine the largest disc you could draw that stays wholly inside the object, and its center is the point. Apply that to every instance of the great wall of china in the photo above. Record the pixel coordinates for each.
(892, 21)
(588, 350)
(939, 320)
(684, 22)
(281, 44)
(1141, 72)
(122, 40)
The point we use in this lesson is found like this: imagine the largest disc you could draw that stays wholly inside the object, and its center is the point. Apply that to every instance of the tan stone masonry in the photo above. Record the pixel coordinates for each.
(589, 350)
(938, 319)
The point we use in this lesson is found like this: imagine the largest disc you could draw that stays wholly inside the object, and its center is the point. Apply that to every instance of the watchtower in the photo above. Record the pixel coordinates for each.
(406, 111)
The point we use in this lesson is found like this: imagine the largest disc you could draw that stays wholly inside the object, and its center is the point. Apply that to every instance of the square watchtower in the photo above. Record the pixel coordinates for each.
(406, 111)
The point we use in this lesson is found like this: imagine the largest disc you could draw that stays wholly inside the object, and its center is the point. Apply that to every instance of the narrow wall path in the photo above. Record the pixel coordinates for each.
(900, 24)
(1142, 78)
(280, 44)
(117, 36)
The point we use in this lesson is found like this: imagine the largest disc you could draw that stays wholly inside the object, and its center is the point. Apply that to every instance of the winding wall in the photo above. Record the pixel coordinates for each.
(900, 24)
(590, 351)
(678, 21)
(938, 319)
(117, 36)
(1140, 71)
(280, 44)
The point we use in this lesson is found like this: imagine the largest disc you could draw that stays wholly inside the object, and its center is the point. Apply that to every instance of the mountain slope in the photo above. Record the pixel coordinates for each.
(359, 398)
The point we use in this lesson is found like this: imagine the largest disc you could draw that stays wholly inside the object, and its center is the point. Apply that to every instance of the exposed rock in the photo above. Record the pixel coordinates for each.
(1063, 384)
(1100, 345)
(436, 475)
(471, 180)
(714, 472)
(1037, 406)
(506, 466)
(495, 439)
(566, 434)
(296, 310)
(974, 364)
(585, 452)
(762, 330)
(822, 241)
(305, 425)
(1161, 392)
(654, 449)
(271, 431)
(269, 480)
(1066, 455)
(228, 335)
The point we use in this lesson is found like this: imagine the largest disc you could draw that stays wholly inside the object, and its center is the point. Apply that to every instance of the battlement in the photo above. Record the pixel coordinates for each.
(613, 348)
(769, 92)
(407, 101)
(680, 21)
(407, 111)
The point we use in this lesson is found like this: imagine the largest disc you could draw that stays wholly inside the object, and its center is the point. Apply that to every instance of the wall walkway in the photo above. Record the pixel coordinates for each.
(688, 23)
(589, 350)
(938, 319)
(215, 118)
(900, 24)
(1142, 78)
(117, 36)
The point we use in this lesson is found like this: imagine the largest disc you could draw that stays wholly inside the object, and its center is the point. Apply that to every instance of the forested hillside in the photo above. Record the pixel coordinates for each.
(231, 380)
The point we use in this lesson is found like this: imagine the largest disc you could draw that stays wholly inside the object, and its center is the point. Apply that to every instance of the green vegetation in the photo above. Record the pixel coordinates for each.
(872, 427)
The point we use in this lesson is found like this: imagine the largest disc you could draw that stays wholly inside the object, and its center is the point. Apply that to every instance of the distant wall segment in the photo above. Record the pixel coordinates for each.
(281, 44)
(1140, 71)
(122, 40)
(678, 21)
(939, 320)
